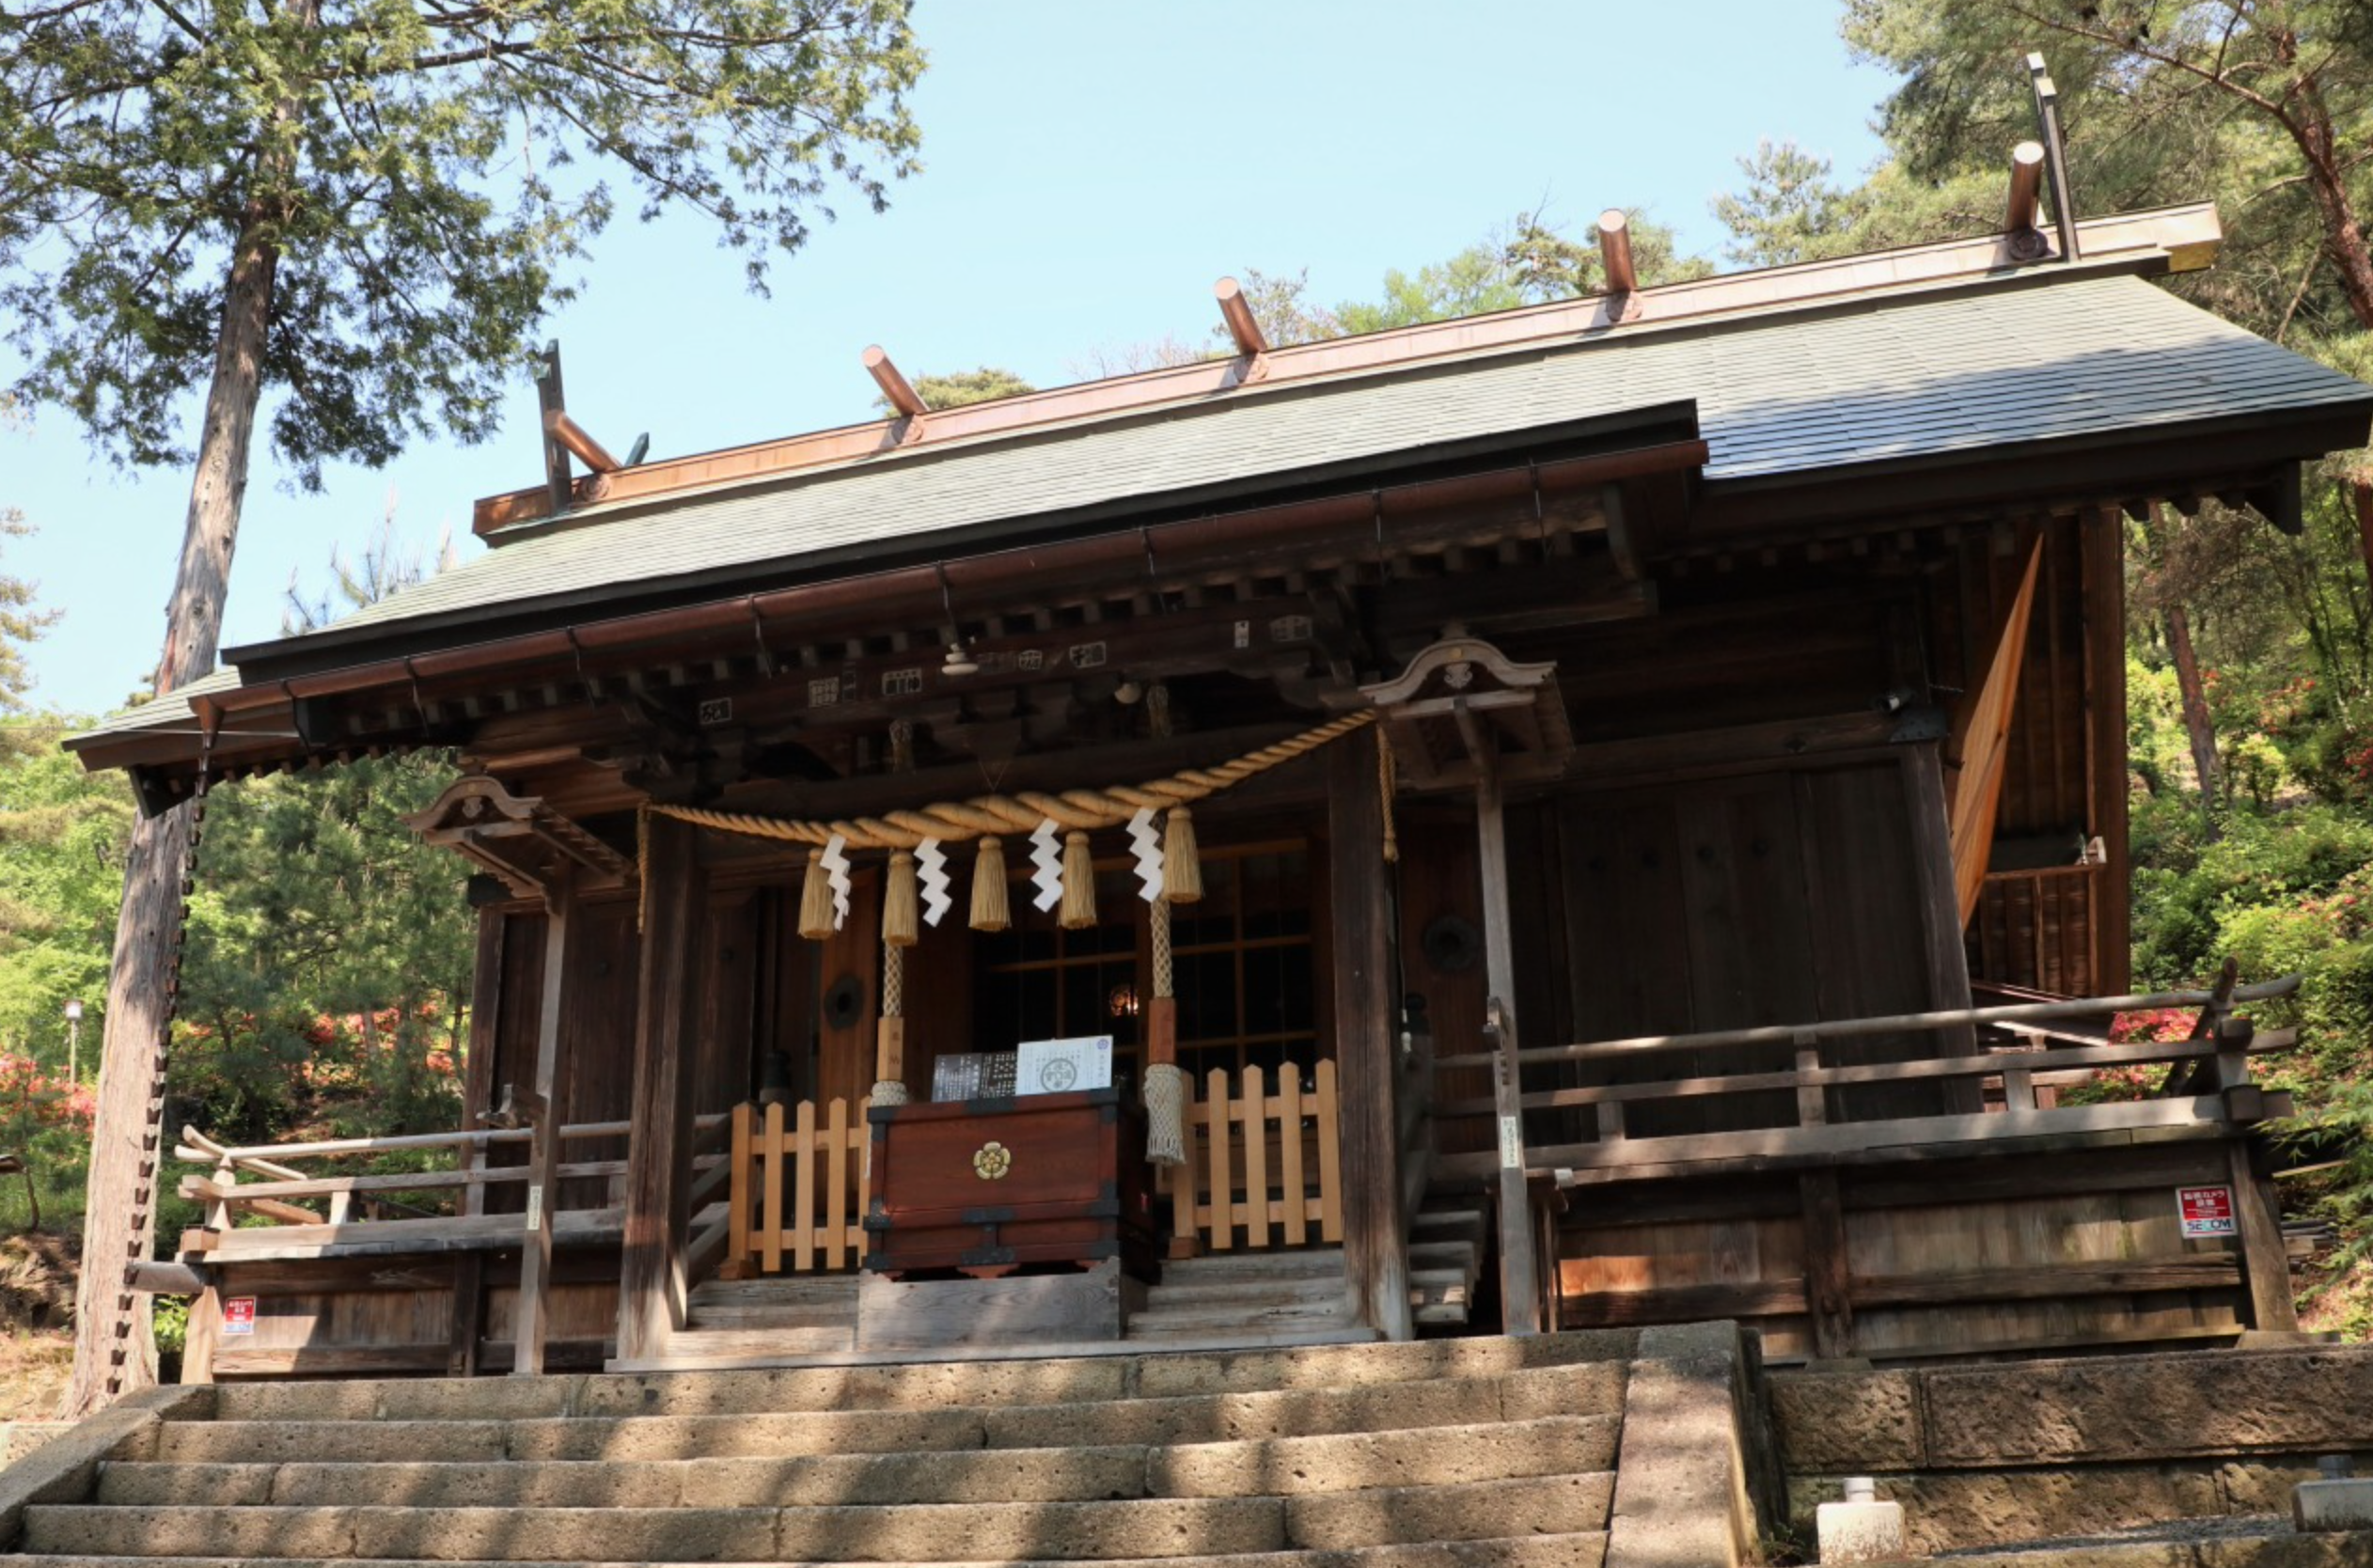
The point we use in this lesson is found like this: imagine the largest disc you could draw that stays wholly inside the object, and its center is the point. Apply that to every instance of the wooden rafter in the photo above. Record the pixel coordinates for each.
(1981, 739)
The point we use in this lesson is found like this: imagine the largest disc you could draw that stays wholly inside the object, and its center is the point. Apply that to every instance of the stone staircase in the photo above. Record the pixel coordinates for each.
(1293, 1297)
(1469, 1453)
(774, 1316)
(1447, 1240)
(1249, 1298)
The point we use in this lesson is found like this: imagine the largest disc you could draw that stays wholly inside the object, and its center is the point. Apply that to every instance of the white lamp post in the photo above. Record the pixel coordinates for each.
(73, 1040)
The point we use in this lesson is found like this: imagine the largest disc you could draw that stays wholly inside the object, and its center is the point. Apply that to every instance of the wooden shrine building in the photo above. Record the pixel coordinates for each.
(1652, 765)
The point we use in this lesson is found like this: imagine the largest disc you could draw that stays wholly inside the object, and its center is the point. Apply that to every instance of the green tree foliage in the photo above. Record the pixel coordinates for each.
(329, 960)
(1791, 209)
(1529, 261)
(61, 873)
(415, 171)
(979, 385)
(21, 622)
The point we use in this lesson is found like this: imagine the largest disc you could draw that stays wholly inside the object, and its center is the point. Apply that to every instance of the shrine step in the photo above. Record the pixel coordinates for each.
(1251, 1294)
(1583, 1549)
(1456, 1454)
(924, 1385)
(1154, 1527)
(763, 1418)
(1447, 1239)
(1546, 1446)
(793, 1313)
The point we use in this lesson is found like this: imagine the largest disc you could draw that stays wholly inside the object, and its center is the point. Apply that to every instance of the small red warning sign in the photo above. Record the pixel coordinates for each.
(239, 1315)
(2207, 1211)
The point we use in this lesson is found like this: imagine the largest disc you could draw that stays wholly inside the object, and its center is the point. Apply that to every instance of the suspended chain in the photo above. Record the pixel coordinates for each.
(152, 1128)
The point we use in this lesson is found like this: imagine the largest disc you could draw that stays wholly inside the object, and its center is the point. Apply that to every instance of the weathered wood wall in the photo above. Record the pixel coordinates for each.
(1988, 1255)
(358, 1317)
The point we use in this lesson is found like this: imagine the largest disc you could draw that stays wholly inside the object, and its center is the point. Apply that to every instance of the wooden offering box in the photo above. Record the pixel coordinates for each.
(984, 1186)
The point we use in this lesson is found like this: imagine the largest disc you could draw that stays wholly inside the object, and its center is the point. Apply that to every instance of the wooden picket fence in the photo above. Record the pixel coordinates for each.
(1264, 1168)
(798, 1193)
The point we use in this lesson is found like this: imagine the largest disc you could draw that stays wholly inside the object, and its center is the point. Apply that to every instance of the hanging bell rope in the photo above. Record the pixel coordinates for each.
(1165, 1084)
(889, 1032)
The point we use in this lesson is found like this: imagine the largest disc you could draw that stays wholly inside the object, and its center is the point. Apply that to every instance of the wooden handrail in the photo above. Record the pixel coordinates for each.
(1847, 1028)
(1987, 1065)
(197, 1147)
(418, 1180)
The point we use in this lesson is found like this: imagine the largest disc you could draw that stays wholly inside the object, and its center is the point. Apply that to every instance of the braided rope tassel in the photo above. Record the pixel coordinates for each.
(890, 1052)
(1165, 1086)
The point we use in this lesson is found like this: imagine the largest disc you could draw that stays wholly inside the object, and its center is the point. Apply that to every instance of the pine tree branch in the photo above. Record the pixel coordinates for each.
(173, 14)
(2220, 77)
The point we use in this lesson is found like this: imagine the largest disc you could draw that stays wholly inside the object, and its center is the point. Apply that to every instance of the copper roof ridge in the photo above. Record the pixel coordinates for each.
(2172, 239)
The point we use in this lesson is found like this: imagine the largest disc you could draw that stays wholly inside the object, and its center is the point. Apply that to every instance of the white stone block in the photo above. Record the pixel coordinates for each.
(1861, 1532)
(2332, 1505)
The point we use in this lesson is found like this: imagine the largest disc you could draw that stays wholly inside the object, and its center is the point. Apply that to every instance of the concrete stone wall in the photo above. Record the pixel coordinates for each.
(1987, 1454)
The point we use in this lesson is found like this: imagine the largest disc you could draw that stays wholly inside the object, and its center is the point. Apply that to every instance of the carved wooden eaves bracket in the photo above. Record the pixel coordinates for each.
(1461, 696)
(531, 847)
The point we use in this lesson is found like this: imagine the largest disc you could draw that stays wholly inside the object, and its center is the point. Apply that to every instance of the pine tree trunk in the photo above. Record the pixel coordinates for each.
(2196, 725)
(2344, 242)
(113, 1350)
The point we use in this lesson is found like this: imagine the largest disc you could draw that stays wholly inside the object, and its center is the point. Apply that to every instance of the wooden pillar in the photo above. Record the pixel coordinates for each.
(1520, 1276)
(653, 1290)
(2105, 744)
(468, 1323)
(1375, 1238)
(1948, 960)
(2265, 1260)
(1828, 1294)
(544, 1150)
(203, 1337)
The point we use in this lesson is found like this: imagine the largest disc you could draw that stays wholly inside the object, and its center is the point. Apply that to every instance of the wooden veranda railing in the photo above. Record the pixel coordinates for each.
(798, 1188)
(281, 1193)
(2209, 1082)
(1815, 1105)
(1263, 1166)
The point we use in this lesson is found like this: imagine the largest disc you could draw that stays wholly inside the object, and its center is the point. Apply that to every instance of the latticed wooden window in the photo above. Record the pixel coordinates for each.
(1247, 975)
(1244, 956)
(1038, 982)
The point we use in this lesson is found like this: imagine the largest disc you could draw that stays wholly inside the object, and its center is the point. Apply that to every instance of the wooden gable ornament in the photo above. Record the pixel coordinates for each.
(517, 838)
(1461, 695)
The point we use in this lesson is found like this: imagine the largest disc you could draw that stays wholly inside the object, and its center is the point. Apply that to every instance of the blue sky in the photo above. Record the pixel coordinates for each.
(1091, 169)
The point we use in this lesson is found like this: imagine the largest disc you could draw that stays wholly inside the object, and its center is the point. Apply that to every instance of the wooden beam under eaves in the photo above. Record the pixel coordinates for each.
(1981, 733)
